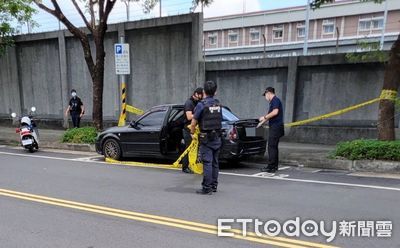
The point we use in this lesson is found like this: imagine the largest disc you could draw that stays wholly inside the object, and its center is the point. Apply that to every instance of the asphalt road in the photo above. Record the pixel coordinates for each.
(64, 199)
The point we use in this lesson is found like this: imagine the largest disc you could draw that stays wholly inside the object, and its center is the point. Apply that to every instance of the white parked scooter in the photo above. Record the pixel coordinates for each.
(28, 132)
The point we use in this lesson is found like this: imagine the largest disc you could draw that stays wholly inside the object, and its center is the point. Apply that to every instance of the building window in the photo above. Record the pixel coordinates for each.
(212, 38)
(368, 24)
(377, 23)
(255, 35)
(328, 26)
(364, 25)
(233, 36)
(301, 30)
(277, 31)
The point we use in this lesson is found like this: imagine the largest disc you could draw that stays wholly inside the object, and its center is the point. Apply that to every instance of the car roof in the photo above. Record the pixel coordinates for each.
(167, 105)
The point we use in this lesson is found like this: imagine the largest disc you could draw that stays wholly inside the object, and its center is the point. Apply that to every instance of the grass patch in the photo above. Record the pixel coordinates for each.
(368, 149)
(83, 135)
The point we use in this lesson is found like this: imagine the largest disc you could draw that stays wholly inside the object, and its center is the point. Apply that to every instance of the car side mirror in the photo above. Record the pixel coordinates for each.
(133, 124)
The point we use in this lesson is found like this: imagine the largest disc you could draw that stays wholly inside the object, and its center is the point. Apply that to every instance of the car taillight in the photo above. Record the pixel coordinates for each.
(17, 130)
(233, 134)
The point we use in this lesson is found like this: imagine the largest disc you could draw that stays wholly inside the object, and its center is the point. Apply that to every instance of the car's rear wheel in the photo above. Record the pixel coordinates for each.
(111, 149)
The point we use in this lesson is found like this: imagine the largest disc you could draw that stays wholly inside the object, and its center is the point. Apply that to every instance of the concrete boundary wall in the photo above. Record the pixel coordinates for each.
(166, 61)
(308, 87)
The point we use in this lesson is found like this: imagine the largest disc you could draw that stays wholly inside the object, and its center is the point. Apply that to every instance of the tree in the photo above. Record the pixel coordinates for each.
(391, 82)
(202, 2)
(96, 25)
(11, 13)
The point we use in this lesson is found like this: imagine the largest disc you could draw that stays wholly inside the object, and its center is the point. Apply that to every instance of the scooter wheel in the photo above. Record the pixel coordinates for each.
(31, 149)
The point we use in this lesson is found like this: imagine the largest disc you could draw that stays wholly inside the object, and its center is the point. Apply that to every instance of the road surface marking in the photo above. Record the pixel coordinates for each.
(314, 181)
(160, 220)
(223, 173)
(86, 159)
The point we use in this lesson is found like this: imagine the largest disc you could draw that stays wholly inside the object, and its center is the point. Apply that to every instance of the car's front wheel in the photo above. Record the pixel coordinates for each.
(111, 149)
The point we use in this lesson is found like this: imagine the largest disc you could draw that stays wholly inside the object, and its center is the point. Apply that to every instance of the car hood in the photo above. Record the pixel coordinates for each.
(116, 130)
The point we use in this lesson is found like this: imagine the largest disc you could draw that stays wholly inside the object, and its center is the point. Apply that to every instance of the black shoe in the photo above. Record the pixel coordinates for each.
(273, 170)
(187, 170)
(268, 169)
(204, 192)
(214, 189)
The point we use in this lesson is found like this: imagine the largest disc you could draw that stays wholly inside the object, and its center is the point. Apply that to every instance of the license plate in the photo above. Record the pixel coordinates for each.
(27, 142)
(250, 132)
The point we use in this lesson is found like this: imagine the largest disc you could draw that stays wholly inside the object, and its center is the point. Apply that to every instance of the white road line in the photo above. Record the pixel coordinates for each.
(284, 168)
(232, 174)
(86, 159)
(48, 157)
(314, 181)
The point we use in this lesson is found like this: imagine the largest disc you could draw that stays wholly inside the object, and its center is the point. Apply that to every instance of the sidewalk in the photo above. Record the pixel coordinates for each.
(49, 138)
(293, 154)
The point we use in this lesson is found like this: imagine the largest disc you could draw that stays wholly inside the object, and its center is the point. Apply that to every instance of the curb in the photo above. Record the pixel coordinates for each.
(314, 160)
(69, 146)
(320, 161)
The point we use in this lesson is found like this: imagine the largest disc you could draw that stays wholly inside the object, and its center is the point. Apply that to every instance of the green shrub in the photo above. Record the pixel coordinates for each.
(368, 149)
(85, 135)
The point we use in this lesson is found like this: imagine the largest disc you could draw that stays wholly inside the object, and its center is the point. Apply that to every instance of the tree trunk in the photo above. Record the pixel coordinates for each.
(98, 82)
(386, 120)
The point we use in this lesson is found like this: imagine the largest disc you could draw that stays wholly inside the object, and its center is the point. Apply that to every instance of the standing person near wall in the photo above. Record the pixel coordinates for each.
(208, 114)
(75, 108)
(276, 128)
(189, 107)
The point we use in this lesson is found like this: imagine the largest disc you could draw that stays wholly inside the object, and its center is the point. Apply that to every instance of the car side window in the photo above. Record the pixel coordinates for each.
(175, 115)
(153, 119)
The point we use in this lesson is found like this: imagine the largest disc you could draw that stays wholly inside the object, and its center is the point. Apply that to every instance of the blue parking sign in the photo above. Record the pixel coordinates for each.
(118, 49)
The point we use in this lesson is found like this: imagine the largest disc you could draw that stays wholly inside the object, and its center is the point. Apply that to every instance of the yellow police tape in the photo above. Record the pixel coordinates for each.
(197, 167)
(193, 150)
(134, 110)
(385, 95)
(388, 95)
(127, 108)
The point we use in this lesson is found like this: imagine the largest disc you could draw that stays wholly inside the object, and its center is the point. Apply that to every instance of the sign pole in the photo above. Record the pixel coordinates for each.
(122, 67)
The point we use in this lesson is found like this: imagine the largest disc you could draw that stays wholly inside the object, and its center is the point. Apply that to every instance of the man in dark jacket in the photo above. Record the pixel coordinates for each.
(190, 104)
(75, 109)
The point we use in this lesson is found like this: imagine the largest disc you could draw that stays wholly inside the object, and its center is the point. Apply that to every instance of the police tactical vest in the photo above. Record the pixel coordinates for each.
(211, 117)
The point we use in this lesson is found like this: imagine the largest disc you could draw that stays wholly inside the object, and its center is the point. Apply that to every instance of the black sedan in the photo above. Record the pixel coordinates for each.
(158, 133)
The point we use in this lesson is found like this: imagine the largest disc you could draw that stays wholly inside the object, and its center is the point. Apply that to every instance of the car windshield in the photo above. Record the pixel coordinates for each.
(228, 115)
(153, 119)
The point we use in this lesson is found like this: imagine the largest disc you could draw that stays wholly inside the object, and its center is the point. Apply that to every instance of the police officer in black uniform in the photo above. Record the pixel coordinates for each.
(208, 114)
(190, 104)
(276, 128)
(75, 108)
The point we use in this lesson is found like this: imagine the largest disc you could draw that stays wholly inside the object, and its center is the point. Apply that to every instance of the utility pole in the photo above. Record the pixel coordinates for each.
(337, 39)
(126, 2)
(160, 9)
(305, 47)
(265, 44)
(384, 25)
